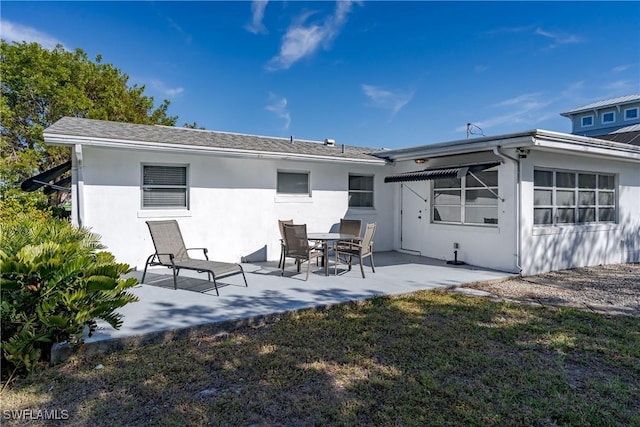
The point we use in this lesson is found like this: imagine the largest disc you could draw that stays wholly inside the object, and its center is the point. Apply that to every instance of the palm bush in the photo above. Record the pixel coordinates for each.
(56, 282)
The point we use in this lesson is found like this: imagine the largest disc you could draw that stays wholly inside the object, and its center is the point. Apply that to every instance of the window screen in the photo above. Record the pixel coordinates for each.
(360, 191)
(293, 183)
(561, 197)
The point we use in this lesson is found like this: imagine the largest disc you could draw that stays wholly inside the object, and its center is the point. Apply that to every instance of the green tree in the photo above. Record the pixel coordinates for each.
(40, 86)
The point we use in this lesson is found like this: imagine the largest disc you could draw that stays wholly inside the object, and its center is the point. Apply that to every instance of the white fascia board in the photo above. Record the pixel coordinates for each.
(535, 139)
(460, 147)
(554, 141)
(67, 140)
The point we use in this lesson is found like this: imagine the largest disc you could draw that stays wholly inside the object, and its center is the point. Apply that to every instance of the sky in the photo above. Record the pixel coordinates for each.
(380, 74)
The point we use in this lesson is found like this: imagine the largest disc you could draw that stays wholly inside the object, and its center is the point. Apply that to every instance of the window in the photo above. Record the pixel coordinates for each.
(360, 191)
(294, 183)
(608, 117)
(470, 200)
(631, 113)
(587, 121)
(164, 187)
(561, 197)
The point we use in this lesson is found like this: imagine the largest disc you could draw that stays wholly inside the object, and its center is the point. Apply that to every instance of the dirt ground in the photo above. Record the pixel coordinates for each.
(612, 289)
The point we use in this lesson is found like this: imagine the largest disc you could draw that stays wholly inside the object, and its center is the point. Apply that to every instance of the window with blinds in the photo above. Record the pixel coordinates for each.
(164, 187)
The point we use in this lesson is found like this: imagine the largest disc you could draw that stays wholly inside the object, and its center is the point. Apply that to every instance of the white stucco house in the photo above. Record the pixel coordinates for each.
(527, 202)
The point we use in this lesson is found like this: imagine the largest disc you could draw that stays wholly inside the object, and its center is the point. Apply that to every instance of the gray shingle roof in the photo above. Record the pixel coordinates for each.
(605, 103)
(631, 137)
(127, 132)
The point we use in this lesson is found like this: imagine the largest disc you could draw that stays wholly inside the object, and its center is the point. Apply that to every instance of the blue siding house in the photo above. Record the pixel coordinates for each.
(605, 117)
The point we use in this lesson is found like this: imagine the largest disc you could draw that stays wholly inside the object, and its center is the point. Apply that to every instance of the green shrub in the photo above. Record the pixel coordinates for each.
(55, 283)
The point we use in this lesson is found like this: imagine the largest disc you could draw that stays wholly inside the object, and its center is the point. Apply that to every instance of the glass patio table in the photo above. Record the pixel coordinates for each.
(325, 238)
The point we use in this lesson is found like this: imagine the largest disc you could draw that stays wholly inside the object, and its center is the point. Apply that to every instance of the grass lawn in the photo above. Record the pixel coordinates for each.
(427, 358)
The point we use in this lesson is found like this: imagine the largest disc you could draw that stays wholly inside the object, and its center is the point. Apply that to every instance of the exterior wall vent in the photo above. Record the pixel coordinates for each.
(330, 142)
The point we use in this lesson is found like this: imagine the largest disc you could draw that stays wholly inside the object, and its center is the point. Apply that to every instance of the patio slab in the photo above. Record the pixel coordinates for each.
(163, 312)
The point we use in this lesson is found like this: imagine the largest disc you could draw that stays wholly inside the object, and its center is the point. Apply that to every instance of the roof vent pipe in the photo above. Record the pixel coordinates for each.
(330, 142)
(342, 148)
(291, 139)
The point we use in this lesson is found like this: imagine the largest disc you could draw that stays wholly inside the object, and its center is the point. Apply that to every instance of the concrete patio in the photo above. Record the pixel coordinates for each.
(163, 312)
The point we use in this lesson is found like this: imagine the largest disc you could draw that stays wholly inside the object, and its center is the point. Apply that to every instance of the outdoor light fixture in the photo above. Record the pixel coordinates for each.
(420, 161)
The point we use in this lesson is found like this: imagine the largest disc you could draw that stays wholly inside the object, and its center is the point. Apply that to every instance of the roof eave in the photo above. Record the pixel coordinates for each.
(58, 139)
(460, 147)
(537, 138)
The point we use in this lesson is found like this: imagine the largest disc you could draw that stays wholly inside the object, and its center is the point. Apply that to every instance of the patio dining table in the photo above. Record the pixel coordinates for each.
(325, 238)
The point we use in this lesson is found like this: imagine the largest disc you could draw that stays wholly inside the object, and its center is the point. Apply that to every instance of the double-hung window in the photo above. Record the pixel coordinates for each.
(562, 197)
(360, 191)
(469, 200)
(165, 187)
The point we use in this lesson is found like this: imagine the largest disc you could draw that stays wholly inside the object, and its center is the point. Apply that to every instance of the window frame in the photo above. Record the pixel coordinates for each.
(577, 205)
(350, 190)
(636, 109)
(144, 187)
(292, 172)
(613, 117)
(582, 119)
(464, 189)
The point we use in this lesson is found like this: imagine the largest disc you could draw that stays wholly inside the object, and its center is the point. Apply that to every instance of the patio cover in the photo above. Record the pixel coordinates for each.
(441, 173)
(44, 179)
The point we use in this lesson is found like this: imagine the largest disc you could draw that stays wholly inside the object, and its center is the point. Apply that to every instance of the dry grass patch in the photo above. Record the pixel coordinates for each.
(428, 358)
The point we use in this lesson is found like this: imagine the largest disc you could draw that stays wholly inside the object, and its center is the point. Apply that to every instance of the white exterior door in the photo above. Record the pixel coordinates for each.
(413, 214)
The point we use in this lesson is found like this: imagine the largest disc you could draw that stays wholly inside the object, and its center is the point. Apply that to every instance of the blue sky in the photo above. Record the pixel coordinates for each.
(373, 73)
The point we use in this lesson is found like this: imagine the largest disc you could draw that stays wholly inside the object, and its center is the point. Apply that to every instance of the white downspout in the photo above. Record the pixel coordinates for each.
(78, 182)
(497, 152)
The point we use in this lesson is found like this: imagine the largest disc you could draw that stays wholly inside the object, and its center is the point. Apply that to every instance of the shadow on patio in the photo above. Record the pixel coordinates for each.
(163, 313)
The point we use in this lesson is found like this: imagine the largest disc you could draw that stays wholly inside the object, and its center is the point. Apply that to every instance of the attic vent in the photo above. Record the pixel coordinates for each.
(330, 142)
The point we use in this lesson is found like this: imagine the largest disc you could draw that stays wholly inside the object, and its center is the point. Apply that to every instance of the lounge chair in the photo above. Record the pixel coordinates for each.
(172, 253)
(362, 249)
(297, 246)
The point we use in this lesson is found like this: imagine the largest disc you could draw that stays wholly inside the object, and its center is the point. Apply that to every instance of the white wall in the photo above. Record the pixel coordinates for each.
(543, 248)
(490, 246)
(548, 248)
(233, 203)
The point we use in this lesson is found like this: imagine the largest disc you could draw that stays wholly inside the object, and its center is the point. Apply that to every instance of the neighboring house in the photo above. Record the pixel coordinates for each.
(527, 202)
(605, 117)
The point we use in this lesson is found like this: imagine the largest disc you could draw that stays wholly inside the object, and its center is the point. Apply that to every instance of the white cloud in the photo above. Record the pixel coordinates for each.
(622, 86)
(257, 10)
(161, 87)
(523, 110)
(558, 38)
(527, 101)
(278, 106)
(621, 68)
(303, 39)
(480, 68)
(13, 32)
(387, 99)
